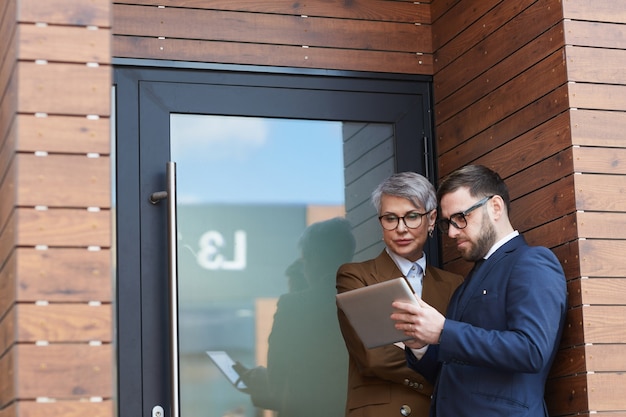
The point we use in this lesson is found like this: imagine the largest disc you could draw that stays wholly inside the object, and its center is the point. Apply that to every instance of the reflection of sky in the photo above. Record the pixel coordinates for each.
(255, 160)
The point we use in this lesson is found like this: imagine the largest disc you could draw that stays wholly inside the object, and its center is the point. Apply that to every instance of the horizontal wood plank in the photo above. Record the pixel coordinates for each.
(597, 96)
(598, 160)
(375, 10)
(602, 258)
(66, 12)
(8, 329)
(59, 134)
(600, 225)
(71, 228)
(606, 358)
(64, 181)
(606, 391)
(43, 275)
(568, 255)
(528, 87)
(216, 25)
(582, 65)
(598, 128)
(94, 408)
(604, 291)
(560, 231)
(598, 10)
(64, 44)
(64, 371)
(64, 323)
(599, 35)
(50, 90)
(596, 192)
(604, 324)
(271, 55)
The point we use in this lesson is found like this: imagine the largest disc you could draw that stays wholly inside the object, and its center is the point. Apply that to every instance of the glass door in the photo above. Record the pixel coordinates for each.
(258, 159)
(247, 188)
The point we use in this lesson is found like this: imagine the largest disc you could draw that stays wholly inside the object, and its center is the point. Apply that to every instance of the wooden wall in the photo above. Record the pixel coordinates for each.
(56, 325)
(361, 35)
(532, 88)
(535, 90)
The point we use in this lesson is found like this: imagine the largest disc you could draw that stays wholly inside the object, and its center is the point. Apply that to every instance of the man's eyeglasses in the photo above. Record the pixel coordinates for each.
(412, 220)
(458, 220)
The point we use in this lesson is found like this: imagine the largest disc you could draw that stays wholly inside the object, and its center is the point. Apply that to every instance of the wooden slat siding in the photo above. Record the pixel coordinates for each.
(368, 35)
(605, 324)
(597, 192)
(496, 135)
(607, 291)
(517, 93)
(598, 10)
(600, 225)
(603, 258)
(66, 12)
(217, 25)
(600, 160)
(86, 182)
(582, 64)
(87, 94)
(67, 135)
(594, 34)
(606, 391)
(518, 62)
(602, 358)
(598, 128)
(58, 44)
(598, 96)
(567, 396)
(514, 34)
(64, 323)
(458, 19)
(64, 408)
(63, 228)
(272, 55)
(64, 371)
(59, 68)
(389, 11)
(569, 361)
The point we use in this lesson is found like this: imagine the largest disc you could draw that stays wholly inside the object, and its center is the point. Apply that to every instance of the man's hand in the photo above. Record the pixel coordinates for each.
(423, 324)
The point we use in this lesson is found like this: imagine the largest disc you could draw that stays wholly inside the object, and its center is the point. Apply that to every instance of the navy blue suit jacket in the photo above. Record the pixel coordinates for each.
(501, 334)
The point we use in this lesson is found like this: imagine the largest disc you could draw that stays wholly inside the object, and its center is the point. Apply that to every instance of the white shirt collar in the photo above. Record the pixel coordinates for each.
(501, 242)
(404, 264)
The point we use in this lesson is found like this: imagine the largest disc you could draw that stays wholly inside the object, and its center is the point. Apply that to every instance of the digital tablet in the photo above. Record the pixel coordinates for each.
(369, 309)
(225, 364)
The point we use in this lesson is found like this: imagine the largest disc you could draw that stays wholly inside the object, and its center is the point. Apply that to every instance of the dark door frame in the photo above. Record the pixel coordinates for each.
(145, 96)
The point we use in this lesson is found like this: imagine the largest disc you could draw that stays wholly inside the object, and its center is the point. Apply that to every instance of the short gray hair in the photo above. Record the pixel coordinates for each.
(410, 185)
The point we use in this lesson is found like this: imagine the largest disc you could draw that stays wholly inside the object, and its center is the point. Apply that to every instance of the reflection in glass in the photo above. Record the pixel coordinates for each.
(247, 189)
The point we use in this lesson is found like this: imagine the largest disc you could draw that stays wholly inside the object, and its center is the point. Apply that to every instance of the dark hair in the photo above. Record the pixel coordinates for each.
(414, 187)
(328, 244)
(480, 180)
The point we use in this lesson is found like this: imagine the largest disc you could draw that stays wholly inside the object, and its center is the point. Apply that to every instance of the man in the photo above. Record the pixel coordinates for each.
(491, 354)
(380, 384)
(307, 362)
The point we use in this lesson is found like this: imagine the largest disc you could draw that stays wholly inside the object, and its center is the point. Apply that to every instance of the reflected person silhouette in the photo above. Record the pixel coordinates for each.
(306, 374)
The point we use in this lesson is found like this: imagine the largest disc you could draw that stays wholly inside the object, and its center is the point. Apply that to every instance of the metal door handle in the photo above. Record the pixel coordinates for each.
(155, 198)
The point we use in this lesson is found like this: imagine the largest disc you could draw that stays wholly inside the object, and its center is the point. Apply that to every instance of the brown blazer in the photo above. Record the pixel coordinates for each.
(380, 384)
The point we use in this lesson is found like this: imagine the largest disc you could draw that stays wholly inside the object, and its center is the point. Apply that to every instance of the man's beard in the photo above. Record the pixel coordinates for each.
(484, 242)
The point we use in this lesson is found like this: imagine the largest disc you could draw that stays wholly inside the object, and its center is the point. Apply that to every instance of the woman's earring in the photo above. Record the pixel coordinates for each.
(430, 232)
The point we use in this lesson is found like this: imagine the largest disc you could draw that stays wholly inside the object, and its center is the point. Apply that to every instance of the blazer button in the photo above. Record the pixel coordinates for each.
(420, 386)
(405, 410)
(407, 382)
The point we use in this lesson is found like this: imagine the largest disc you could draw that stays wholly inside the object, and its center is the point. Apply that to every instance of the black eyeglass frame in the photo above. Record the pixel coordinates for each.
(398, 218)
(444, 224)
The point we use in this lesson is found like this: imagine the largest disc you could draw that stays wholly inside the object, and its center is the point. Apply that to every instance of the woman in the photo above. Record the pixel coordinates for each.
(379, 382)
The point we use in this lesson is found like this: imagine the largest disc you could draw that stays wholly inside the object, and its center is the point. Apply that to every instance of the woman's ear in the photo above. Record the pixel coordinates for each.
(432, 217)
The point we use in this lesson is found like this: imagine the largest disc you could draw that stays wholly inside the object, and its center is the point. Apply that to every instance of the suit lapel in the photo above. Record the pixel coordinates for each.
(470, 287)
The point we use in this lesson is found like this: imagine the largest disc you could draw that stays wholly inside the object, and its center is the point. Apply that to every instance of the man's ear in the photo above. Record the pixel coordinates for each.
(498, 207)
